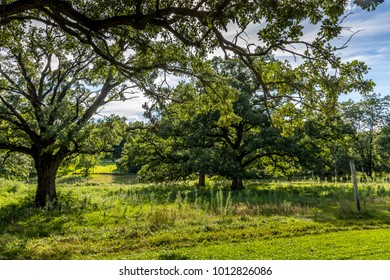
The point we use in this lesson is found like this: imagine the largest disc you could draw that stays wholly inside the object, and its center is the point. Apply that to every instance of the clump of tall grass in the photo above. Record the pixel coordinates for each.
(221, 203)
(9, 186)
(162, 218)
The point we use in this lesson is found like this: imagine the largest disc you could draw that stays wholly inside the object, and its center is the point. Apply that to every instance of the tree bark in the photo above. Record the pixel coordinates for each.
(237, 183)
(202, 179)
(46, 166)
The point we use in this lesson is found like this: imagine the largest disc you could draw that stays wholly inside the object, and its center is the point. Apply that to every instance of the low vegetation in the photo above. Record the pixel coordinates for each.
(113, 217)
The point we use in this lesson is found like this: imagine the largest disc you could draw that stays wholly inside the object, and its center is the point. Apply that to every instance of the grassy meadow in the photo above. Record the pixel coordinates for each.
(114, 217)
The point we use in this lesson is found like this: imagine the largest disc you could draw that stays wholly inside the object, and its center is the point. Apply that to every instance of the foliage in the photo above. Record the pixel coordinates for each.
(51, 87)
(97, 43)
(228, 127)
(14, 166)
(383, 149)
(86, 163)
(171, 36)
(324, 145)
(368, 117)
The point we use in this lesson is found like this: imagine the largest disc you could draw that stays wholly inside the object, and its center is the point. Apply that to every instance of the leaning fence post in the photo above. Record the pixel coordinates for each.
(355, 184)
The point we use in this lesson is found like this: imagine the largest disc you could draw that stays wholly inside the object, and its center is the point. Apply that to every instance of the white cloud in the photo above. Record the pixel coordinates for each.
(130, 109)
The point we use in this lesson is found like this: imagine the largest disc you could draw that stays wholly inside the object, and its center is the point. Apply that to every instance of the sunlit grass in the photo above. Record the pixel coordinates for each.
(115, 217)
(105, 167)
(343, 245)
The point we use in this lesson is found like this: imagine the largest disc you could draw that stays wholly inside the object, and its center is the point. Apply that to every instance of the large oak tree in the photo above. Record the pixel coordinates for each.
(226, 128)
(50, 89)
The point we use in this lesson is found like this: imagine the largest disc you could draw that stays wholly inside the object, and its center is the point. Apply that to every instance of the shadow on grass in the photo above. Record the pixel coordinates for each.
(97, 180)
(22, 222)
(322, 203)
(173, 256)
(327, 204)
(125, 179)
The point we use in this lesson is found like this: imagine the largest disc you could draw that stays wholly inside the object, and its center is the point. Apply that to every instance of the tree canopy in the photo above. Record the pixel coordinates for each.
(62, 60)
(168, 35)
(50, 88)
(369, 118)
(226, 128)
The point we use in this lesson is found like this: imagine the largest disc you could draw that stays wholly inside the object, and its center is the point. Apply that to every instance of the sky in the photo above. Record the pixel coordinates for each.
(371, 45)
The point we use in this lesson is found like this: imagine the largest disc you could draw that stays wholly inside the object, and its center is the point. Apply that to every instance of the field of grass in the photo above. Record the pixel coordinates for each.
(105, 167)
(114, 217)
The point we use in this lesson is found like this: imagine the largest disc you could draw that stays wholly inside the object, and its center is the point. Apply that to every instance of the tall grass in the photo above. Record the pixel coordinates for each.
(99, 220)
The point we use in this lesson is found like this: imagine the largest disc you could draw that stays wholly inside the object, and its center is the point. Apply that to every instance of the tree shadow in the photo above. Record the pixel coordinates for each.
(333, 204)
(22, 222)
(125, 179)
(173, 256)
(328, 204)
(322, 203)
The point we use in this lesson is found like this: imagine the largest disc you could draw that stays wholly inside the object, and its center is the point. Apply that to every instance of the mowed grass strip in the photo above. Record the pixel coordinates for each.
(345, 245)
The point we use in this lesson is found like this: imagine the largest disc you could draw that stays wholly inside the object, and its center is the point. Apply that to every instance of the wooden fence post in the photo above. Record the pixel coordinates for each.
(355, 184)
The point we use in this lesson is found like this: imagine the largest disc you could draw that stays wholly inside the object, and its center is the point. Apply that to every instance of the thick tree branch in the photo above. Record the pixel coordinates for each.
(15, 148)
(22, 124)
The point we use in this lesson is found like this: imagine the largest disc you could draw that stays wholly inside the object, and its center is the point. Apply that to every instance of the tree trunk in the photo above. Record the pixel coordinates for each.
(202, 179)
(46, 166)
(237, 184)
